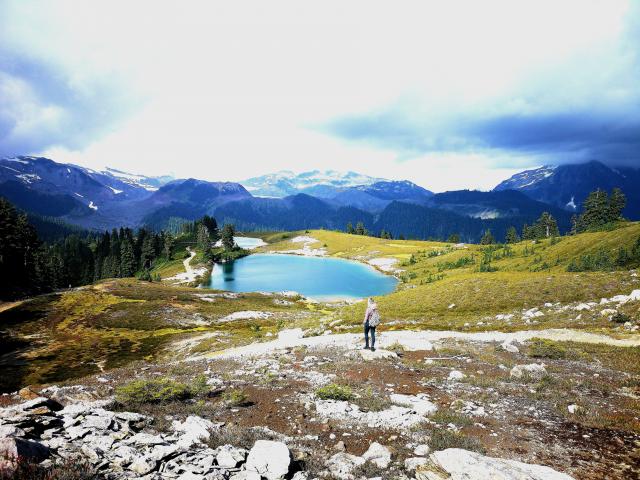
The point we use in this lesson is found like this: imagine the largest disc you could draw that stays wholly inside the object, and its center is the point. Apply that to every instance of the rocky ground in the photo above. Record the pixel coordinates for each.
(471, 407)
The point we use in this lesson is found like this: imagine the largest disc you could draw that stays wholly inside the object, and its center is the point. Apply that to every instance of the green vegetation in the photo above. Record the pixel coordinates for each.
(235, 397)
(334, 391)
(542, 348)
(156, 390)
(442, 439)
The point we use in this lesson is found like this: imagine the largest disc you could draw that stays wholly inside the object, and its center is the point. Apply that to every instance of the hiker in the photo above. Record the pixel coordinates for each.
(371, 321)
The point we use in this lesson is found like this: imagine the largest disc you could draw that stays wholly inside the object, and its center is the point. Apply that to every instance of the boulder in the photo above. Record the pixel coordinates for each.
(416, 403)
(229, 456)
(458, 464)
(270, 459)
(378, 454)
(535, 371)
(456, 375)
(11, 448)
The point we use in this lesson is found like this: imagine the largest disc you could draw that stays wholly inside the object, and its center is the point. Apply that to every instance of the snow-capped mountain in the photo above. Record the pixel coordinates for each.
(323, 184)
(567, 186)
(150, 184)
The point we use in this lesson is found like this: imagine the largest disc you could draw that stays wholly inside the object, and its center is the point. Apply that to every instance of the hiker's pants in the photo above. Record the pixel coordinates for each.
(367, 330)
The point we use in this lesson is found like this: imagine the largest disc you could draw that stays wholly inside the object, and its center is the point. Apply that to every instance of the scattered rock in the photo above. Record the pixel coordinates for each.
(510, 347)
(456, 375)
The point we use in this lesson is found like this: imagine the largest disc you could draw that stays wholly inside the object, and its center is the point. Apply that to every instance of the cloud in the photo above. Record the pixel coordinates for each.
(42, 107)
(585, 106)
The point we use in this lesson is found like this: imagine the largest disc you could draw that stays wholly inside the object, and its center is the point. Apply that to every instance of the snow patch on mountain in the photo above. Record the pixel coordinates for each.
(92, 206)
(572, 204)
(528, 178)
(285, 182)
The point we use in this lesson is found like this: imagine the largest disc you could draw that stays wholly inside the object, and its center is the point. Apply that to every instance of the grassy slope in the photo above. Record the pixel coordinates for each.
(531, 275)
(113, 322)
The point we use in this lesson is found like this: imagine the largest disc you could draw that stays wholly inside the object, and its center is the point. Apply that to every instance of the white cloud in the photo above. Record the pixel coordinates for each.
(228, 90)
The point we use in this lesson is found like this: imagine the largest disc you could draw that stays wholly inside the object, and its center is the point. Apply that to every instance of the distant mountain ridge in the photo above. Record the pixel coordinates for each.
(111, 198)
(318, 183)
(567, 186)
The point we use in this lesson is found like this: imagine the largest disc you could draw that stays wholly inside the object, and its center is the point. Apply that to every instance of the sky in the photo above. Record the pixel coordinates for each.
(457, 94)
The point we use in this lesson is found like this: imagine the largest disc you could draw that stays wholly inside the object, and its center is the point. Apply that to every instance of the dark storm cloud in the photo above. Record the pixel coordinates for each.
(41, 106)
(610, 136)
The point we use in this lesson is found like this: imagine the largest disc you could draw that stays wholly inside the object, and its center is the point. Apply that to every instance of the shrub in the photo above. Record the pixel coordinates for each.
(443, 439)
(235, 397)
(157, 390)
(620, 317)
(334, 392)
(541, 348)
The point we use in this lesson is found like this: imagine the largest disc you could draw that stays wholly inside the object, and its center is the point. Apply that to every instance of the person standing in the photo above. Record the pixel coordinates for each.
(371, 321)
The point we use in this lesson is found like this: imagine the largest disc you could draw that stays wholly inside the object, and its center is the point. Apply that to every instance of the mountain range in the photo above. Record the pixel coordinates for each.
(111, 198)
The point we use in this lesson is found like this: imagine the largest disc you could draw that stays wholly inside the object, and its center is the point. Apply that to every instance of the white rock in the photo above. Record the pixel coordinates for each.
(421, 450)
(573, 408)
(342, 464)
(534, 370)
(378, 454)
(195, 429)
(581, 306)
(456, 375)
(417, 404)
(245, 475)
(143, 465)
(458, 464)
(510, 347)
(230, 456)
(377, 354)
(270, 459)
(410, 464)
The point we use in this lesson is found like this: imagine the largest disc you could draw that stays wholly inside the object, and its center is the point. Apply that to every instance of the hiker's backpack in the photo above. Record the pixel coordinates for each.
(374, 318)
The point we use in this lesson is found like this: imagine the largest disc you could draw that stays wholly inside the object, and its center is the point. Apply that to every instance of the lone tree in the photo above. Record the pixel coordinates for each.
(487, 238)
(228, 232)
(512, 235)
(546, 226)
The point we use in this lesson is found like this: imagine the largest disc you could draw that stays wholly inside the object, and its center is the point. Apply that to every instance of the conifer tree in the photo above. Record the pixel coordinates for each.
(127, 258)
(350, 228)
(512, 235)
(228, 232)
(487, 238)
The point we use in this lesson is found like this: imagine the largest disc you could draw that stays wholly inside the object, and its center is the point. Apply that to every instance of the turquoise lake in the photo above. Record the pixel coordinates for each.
(314, 277)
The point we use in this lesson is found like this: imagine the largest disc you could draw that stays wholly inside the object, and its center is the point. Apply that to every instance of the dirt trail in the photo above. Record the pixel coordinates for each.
(421, 340)
(190, 274)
